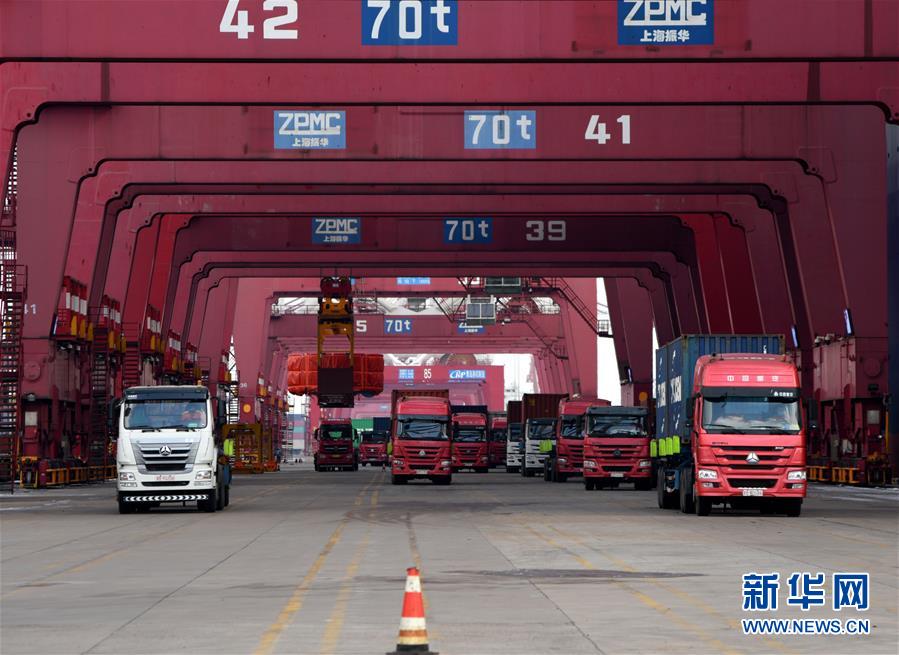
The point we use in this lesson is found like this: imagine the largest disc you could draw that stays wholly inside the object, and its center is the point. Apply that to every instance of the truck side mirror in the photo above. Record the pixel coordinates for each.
(112, 418)
(221, 413)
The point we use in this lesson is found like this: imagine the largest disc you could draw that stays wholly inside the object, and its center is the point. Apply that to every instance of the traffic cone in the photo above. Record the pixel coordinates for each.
(413, 637)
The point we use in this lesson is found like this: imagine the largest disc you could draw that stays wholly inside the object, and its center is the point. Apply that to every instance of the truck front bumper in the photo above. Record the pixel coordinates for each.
(134, 486)
(441, 468)
(617, 469)
(743, 484)
(532, 461)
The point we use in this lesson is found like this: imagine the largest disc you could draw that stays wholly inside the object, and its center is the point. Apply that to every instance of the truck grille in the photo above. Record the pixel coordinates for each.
(149, 457)
(576, 454)
(335, 449)
(623, 451)
(764, 483)
(176, 483)
(467, 451)
(413, 458)
(769, 456)
(616, 468)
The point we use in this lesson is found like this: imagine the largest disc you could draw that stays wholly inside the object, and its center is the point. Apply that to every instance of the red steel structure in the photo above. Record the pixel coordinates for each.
(169, 199)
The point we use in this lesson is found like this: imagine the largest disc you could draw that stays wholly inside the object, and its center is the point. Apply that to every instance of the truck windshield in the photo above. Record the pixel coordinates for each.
(417, 429)
(754, 414)
(165, 414)
(498, 435)
(336, 432)
(469, 434)
(374, 437)
(515, 432)
(620, 425)
(572, 427)
(541, 431)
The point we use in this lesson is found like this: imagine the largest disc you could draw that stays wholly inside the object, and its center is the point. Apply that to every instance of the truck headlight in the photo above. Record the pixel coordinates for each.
(707, 474)
(445, 463)
(204, 475)
(483, 458)
(796, 475)
(644, 463)
(589, 463)
(397, 462)
(563, 460)
(126, 476)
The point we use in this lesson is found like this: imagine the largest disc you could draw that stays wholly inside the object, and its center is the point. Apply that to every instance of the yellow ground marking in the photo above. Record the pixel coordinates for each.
(295, 602)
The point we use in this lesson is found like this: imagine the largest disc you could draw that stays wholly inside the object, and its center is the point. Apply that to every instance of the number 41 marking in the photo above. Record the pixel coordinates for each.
(598, 132)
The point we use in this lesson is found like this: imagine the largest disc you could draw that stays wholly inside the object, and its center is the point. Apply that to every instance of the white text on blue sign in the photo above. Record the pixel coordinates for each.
(310, 130)
(501, 130)
(666, 22)
(413, 281)
(468, 374)
(410, 22)
(337, 230)
(468, 230)
(397, 326)
(406, 374)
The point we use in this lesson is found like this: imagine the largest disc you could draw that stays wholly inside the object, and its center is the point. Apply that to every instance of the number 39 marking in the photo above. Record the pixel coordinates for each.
(237, 21)
(545, 230)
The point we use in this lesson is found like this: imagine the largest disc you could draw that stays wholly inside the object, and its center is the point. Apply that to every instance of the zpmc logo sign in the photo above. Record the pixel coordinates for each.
(666, 22)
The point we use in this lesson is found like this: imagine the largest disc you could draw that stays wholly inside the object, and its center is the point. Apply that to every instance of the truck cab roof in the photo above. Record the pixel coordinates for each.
(469, 419)
(617, 411)
(746, 370)
(579, 406)
(167, 392)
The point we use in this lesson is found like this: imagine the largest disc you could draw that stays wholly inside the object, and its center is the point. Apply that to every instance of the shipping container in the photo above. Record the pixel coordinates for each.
(541, 405)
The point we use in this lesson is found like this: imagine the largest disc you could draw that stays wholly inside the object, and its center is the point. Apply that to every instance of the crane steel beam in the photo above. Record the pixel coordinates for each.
(543, 30)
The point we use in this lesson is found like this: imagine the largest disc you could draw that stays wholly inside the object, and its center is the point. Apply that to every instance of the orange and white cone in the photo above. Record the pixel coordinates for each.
(413, 637)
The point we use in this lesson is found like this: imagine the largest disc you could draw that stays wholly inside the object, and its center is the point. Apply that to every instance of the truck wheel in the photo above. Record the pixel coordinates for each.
(702, 505)
(227, 495)
(220, 498)
(685, 497)
(547, 473)
(208, 505)
(589, 484)
(398, 479)
(126, 508)
(792, 506)
(665, 499)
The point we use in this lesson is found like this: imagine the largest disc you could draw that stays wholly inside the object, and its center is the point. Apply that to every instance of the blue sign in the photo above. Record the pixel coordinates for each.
(666, 22)
(468, 374)
(337, 230)
(470, 329)
(310, 130)
(500, 130)
(410, 22)
(467, 230)
(406, 374)
(397, 326)
(412, 281)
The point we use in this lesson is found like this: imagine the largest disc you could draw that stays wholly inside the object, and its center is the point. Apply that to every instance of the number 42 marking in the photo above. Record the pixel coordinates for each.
(597, 131)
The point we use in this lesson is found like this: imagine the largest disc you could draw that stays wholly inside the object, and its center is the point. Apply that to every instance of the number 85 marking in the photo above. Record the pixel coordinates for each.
(545, 230)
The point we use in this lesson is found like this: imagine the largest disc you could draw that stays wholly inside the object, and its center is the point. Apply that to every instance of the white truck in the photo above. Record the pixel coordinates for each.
(167, 450)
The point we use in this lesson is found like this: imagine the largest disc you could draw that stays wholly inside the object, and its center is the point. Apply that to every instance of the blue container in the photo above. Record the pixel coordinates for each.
(676, 363)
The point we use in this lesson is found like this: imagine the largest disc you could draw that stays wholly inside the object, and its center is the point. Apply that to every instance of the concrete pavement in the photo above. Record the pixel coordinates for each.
(306, 562)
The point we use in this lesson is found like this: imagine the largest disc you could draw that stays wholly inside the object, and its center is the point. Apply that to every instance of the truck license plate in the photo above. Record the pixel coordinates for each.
(165, 478)
(617, 475)
(753, 491)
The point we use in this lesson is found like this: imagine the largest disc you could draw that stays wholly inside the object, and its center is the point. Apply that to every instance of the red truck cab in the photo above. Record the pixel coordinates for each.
(568, 457)
(616, 448)
(496, 440)
(470, 442)
(333, 446)
(747, 434)
(421, 437)
(373, 448)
